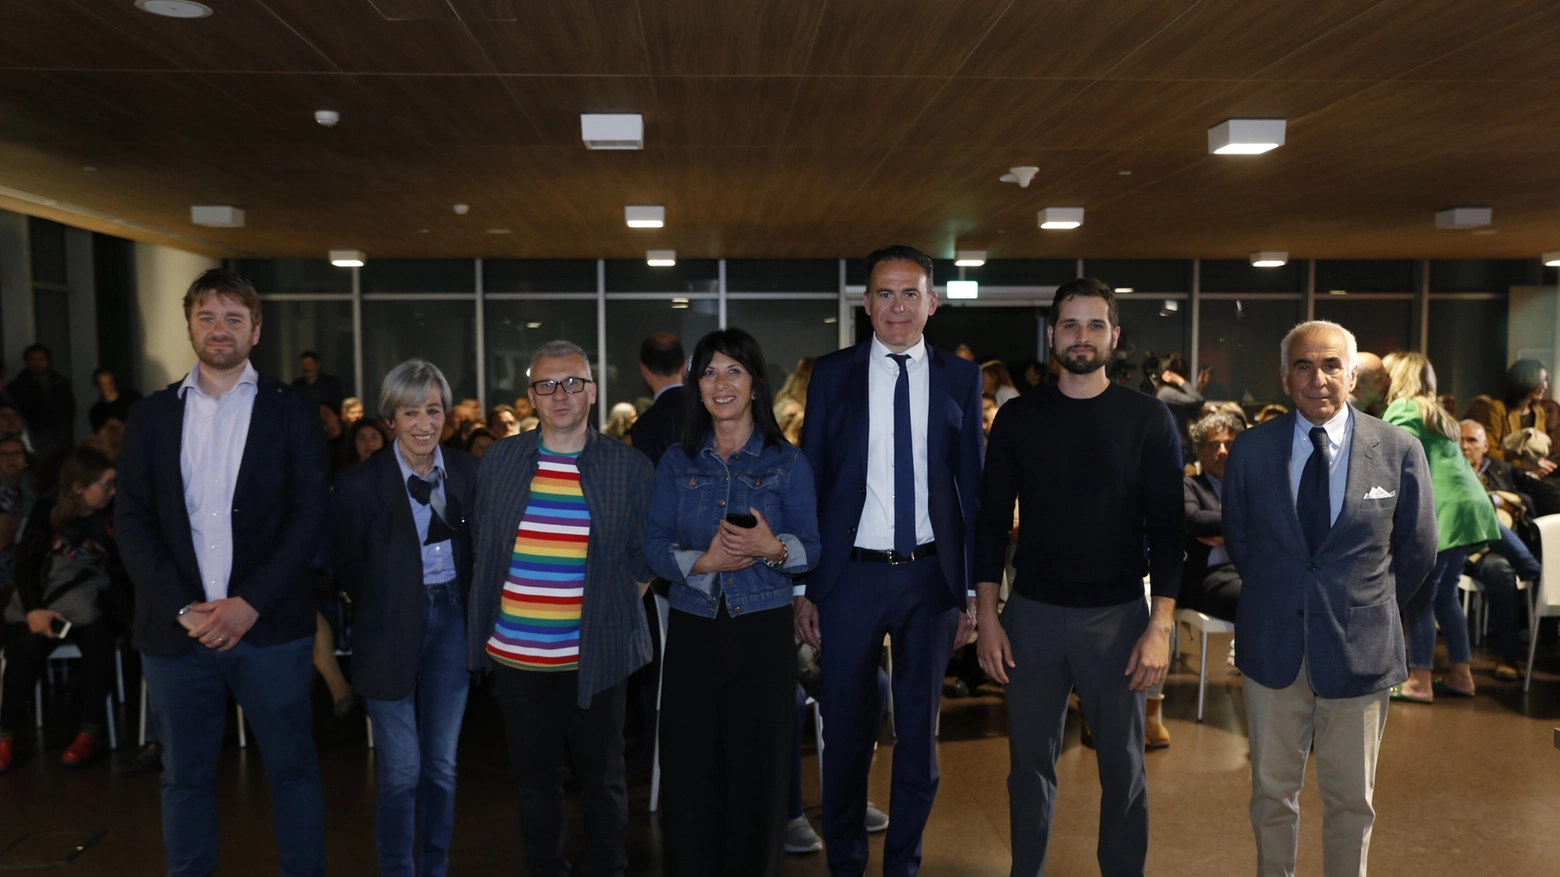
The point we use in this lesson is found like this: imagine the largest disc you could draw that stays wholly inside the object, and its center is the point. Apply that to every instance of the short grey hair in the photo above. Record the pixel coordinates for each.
(409, 384)
(1351, 358)
(1201, 429)
(559, 349)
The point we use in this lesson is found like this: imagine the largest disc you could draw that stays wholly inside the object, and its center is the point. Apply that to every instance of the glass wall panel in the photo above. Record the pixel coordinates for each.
(1011, 334)
(1239, 275)
(1239, 340)
(442, 332)
(516, 328)
(1484, 275)
(288, 328)
(787, 330)
(630, 322)
(294, 275)
(47, 241)
(1380, 326)
(420, 275)
(782, 275)
(1149, 325)
(1468, 347)
(1367, 275)
(688, 275)
(1143, 275)
(539, 275)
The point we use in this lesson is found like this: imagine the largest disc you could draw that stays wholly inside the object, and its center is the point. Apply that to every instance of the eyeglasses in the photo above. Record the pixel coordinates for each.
(572, 386)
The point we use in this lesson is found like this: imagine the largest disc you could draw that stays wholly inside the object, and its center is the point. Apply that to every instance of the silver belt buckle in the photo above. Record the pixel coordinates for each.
(897, 559)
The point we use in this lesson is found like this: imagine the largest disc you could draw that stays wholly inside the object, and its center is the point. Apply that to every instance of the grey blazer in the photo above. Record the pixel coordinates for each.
(1337, 609)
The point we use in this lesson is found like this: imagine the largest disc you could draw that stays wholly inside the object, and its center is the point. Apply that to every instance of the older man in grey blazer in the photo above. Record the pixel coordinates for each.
(1326, 565)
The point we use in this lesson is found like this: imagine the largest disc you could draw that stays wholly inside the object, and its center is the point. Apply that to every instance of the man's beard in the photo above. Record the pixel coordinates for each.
(222, 359)
(1085, 364)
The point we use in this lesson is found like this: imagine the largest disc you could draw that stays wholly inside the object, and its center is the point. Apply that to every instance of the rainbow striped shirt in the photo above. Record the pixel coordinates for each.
(538, 625)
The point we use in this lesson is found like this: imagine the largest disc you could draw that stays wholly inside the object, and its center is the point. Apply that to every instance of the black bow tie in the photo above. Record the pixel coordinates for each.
(422, 491)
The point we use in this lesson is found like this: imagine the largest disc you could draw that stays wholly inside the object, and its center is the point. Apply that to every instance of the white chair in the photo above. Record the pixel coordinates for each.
(1206, 624)
(663, 612)
(1546, 602)
(1474, 602)
(69, 652)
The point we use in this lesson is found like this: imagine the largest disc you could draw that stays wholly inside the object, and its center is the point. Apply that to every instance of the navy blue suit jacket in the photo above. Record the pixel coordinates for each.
(1338, 607)
(834, 438)
(278, 518)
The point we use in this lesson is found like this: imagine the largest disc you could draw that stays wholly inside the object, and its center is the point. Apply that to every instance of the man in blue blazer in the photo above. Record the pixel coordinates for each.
(1325, 565)
(893, 434)
(223, 483)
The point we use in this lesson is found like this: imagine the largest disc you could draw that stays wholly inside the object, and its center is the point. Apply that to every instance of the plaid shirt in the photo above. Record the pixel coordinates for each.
(616, 480)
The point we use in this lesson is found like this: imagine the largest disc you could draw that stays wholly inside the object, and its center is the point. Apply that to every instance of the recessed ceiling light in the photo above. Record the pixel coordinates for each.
(612, 131)
(347, 258)
(1123, 290)
(87, 167)
(1337, 292)
(1269, 259)
(1552, 259)
(644, 215)
(1061, 217)
(498, 231)
(831, 319)
(970, 258)
(1123, 173)
(422, 231)
(1246, 136)
(174, 8)
(1463, 217)
(533, 325)
(1483, 231)
(660, 258)
(217, 215)
(461, 209)
(1023, 176)
(327, 118)
(963, 289)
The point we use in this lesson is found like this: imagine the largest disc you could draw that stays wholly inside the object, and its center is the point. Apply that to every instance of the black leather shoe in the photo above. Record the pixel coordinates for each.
(147, 758)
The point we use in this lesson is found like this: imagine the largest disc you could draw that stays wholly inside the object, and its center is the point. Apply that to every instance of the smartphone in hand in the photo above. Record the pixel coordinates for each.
(745, 521)
(59, 627)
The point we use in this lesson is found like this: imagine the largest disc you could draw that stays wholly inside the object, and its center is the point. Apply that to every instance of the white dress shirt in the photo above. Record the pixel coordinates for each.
(876, 528)
(215, 432)
(1339, 432)
(438, 559)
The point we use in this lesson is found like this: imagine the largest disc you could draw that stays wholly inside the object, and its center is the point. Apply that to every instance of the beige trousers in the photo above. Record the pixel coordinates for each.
(1284, 725)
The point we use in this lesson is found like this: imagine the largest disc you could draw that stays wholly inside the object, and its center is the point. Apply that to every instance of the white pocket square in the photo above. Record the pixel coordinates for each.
(1378, 493)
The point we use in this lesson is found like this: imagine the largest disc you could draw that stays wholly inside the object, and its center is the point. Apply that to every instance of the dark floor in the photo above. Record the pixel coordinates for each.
(1465, 787)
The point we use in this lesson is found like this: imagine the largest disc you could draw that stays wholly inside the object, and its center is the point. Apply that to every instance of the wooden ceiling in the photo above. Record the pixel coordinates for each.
(788, 128)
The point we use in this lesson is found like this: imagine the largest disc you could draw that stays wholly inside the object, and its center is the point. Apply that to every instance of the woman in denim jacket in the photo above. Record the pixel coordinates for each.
(730, 670)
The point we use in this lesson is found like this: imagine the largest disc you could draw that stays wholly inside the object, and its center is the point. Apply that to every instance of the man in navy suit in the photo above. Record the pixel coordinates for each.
(893, 435)
(222, 491)
(1330, 520)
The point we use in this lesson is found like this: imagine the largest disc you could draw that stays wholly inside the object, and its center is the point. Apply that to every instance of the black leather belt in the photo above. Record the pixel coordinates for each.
(893, 557)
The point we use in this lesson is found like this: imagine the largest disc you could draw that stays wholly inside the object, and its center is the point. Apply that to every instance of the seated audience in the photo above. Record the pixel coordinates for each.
(619, 420)
(351, 410)
(479, 441)
(988, 411)
(1268, 412)
(523, 409)
(527, 424)
(65, 565)
(112, 401)
(16, 502)
(996, 381)
(501, 421)
(335, 439)
(799, 834)
(1184, 399)
(1209, 582)
(366, 438)
(1370, 389)
(44, 397)
(1525, 404)
(108, 431)
(468, 417)
(12, 424)
(793, 393)
(963, 351)
(1509, 559)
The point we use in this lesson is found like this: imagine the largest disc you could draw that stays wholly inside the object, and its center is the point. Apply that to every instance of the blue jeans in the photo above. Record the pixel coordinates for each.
(415, 739)
(1436, 601)
(1498, 571)
(187, 697)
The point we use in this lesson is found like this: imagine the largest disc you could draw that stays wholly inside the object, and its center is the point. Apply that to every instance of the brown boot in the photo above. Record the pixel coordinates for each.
(1155, 735)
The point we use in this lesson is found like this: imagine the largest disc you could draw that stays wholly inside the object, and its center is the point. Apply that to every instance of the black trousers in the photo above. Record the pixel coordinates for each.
(27, 653)
(1217, 594)
(544, 727)
(727, 717)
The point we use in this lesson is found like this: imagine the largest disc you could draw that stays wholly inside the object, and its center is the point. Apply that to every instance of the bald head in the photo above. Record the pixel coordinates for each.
(1475, 443)
(1371, 391)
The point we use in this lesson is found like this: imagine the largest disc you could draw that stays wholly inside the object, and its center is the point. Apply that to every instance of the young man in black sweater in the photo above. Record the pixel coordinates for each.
(1096, 469)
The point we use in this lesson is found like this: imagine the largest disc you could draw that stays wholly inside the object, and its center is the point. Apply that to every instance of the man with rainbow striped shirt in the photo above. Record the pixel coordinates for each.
(559, 525)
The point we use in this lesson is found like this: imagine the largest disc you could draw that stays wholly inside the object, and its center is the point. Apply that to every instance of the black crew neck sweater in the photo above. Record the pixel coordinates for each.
(1098, 485)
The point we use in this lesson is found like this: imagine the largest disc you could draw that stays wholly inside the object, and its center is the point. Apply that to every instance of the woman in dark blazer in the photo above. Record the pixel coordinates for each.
(403, 554)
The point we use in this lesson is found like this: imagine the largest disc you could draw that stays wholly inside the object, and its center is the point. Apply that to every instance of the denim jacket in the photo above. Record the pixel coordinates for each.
(691, 498)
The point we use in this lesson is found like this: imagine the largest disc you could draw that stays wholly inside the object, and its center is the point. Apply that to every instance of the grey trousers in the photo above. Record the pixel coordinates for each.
(1057, 649)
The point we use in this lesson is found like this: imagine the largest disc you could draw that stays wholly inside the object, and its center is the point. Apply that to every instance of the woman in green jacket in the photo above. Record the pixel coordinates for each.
(1464, 519)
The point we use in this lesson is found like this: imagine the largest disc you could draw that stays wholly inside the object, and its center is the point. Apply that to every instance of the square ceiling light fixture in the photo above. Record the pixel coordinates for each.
(965, 289)
(1552, 259)
(347, 258)
(1463, 217)
(611, 131)
(644, 215)
(970, 258)
(217, 215)
(1061, 217)
(1269, 259)
(660, 258)
(1246, 136)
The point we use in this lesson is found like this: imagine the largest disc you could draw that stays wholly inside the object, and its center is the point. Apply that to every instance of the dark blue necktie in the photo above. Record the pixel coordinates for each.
(1313, 503)
(904, 461)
